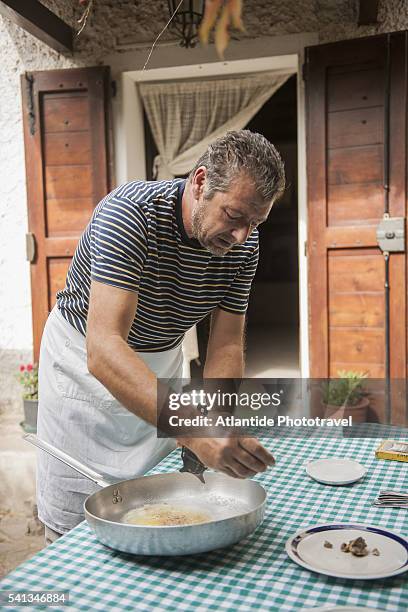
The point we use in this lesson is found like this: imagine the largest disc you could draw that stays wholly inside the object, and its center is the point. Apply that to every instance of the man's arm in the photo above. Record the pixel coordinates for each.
(225, 351)
(241, 457)
(110, 358)
(130, 380)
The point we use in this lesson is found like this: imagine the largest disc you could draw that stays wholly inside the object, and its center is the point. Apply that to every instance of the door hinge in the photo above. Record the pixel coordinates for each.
(391, 234)
(31, 247)
(30, 97)
(114, 89)
(305, 248)
(305, 70)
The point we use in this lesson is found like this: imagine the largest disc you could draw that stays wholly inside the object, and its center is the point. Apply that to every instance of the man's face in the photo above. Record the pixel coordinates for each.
(228, 218)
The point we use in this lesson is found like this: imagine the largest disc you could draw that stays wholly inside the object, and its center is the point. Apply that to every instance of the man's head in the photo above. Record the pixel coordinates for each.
(234, 184)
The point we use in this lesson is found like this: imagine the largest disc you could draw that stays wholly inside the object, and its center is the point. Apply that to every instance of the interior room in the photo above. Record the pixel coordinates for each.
(272, 335)
(273, 313)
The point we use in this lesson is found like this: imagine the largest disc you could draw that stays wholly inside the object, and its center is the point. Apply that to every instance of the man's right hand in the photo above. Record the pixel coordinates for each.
(239, 457)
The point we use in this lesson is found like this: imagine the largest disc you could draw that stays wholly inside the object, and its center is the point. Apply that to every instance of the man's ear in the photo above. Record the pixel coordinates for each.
(198, 182)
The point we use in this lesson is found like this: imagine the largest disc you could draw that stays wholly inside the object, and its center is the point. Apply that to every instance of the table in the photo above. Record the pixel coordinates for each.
(254, 574)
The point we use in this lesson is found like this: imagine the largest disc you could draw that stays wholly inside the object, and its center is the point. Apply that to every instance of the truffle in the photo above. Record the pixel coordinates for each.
(357, 547)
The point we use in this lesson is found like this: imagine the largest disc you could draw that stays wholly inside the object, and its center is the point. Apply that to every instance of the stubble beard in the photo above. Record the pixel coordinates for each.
(197, 223)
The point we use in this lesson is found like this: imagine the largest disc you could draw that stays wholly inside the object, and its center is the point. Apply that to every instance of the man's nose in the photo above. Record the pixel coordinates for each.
(240, 234)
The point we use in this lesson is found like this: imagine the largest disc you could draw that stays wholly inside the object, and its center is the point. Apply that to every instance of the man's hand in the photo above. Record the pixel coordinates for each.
(238, 457)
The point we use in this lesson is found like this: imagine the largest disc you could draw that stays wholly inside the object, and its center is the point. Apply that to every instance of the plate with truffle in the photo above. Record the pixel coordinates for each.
(355, 551)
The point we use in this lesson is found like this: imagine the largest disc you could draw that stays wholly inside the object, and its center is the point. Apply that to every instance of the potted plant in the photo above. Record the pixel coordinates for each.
(346, 396)
(28, 378)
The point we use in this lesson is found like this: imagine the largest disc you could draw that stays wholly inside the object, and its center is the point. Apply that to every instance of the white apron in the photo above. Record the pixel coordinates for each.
(78, 415)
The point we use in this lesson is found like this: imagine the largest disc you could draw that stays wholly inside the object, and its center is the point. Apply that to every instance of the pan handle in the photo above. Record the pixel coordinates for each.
(68, 460)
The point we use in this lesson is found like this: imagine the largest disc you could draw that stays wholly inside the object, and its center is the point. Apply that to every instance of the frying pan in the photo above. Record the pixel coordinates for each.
(233, 509)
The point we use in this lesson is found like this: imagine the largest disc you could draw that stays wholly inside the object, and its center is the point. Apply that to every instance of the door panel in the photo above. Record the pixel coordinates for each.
(351, 128)
(66, 135)
(355, 90)
(350, 165)
(66, 112)
(67, 148)
(57, 272)
(344, 203)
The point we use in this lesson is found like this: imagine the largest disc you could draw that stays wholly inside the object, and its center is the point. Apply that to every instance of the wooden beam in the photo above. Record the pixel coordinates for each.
(368, 12)
(39, 21)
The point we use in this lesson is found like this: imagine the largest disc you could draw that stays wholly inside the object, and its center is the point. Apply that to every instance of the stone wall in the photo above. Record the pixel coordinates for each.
(112, 25)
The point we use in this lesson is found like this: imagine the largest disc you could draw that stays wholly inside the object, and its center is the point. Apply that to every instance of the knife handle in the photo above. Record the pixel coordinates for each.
(191, 463)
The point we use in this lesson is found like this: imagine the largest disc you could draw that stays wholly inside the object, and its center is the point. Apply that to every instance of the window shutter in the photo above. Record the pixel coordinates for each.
(66, 122)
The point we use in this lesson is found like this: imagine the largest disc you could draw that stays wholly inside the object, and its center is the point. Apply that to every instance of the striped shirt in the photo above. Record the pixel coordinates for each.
(136, 241)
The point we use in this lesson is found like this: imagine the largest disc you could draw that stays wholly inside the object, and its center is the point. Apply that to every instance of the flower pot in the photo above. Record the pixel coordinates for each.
(358, 412)
(30, 414)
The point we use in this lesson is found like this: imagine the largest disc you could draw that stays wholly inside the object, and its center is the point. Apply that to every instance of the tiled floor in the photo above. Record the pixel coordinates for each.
(21, 536)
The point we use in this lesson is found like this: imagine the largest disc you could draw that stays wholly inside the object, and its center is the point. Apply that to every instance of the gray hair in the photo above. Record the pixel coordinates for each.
(243, 151)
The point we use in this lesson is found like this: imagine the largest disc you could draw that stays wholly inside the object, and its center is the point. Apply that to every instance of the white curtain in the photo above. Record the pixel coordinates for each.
(185, 117)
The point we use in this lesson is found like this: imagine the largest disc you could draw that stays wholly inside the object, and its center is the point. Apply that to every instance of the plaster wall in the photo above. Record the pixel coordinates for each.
(118, 34)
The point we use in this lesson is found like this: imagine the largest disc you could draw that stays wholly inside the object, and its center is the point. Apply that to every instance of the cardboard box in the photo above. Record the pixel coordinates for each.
(396, 450)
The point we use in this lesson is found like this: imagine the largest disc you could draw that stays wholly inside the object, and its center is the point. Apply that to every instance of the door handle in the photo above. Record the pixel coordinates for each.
(31, 247)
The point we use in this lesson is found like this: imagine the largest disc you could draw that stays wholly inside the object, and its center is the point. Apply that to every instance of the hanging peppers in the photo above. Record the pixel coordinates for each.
(231, 14)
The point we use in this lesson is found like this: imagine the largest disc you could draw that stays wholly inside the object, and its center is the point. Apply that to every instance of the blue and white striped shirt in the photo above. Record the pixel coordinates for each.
(136, 241)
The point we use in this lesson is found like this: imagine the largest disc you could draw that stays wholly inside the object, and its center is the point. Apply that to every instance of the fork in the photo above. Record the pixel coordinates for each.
(394, 493)
(392, 499)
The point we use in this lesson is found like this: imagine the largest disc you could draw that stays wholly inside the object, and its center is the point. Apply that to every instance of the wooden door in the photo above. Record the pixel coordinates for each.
(356, 128)
(66, 134)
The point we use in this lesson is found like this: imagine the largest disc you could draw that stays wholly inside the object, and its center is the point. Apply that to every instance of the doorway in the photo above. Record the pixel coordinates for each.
(131, 136)
(272, 337)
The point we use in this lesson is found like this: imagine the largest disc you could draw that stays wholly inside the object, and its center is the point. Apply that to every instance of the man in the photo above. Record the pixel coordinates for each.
(155, 259)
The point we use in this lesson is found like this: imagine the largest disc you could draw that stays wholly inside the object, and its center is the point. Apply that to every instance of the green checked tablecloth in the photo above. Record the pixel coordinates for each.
(254, 574)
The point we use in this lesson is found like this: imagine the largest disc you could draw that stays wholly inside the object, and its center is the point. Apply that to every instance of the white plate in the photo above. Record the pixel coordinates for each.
(307, 549)
(335, 471)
